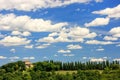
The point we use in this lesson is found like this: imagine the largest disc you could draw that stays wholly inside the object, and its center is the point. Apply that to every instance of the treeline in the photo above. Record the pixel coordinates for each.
(57, 65)
(12, 67)
(46, 70)
(51, 65)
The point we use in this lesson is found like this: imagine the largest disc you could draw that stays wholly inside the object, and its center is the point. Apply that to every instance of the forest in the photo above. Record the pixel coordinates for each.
(51, 70)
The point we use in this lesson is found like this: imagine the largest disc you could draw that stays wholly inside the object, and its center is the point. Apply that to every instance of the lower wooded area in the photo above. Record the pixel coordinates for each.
(50, 70)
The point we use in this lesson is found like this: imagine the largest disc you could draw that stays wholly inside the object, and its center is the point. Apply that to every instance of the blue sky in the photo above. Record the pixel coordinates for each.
(60, 30)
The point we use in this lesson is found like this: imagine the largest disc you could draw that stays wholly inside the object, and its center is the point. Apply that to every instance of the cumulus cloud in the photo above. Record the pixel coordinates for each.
(29, 58)
(47, 39)
(53, 34)
(64, 51)
(16, 33)
(84, 57)
(12, 50)
(11, 22)
(29, 46)
(69, 55)
(98, 22)
(75, 34)
(42, 46)
(45, 57)
(100, 49)
(14, 58)
(110, 12)
(25, 33)
(71, 46)
(78, 32)
(2, 35)
(115, 32)
(98, 42)
(3, 57)
(97, 59)
(110, 38)
(98, 0)
(28, 5)
(14, 41)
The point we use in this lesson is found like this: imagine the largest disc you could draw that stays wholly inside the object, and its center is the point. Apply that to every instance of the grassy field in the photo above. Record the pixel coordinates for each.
(75, 71)
(64, 72)
(111, 75)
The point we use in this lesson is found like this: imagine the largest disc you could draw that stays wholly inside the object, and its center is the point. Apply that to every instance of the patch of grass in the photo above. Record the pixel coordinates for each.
(75, 71)
(64, 72)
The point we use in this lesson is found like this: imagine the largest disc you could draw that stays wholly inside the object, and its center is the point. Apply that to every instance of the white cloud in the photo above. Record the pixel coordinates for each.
(14, 41)
(99, 0)
(118, 45)
(47, 39)
(16, 33)
(117, 15)
(110, 12)
(71, 46)
(97, 59)
(100, 49)
(98, 42)
(12, 50)
(115, 32)
(53, 34)
(3, 57)
(14, 58)
(11, 22)
(26, 33)
(91, 35)
(110, 38)
(78, 31)
(63, 37)
(116, 35)
(98, 22)
(84, 57)
(28, 5)
(64, 51)
(29, 46)
(45, 57)
(42, 46)
(29, 58)
(75, 34)
(116, 59)
(2, 36)
(106, 57)
(70, 55)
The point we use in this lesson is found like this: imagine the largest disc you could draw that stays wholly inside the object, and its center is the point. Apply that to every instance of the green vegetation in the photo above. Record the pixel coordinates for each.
(64, 72)
(50, 70)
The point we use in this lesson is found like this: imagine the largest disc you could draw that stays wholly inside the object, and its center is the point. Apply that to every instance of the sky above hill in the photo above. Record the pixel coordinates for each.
(60, 30)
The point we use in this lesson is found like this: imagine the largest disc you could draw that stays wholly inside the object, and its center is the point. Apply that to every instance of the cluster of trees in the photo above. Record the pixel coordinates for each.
(51, 65)
(80, 75)
(12, 67)
(46, 70)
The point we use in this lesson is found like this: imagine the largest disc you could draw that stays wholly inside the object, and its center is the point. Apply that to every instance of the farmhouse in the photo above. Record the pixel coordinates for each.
(28, 64)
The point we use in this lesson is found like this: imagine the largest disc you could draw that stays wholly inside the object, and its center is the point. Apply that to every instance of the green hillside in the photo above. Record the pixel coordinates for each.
(50, 70)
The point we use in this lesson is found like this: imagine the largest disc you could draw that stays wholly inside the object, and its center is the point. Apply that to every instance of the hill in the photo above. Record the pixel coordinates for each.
(50, 70)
